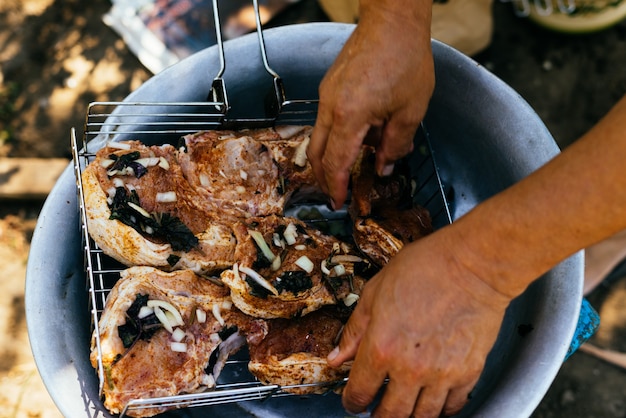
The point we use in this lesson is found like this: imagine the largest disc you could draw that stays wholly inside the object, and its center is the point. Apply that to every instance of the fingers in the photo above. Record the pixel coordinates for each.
(366, 377)
(350, 337)
(403, 399)
(334, 147)
(431, 402)
(399, 399)
(457, 398)
(396, 142)
(315, 150)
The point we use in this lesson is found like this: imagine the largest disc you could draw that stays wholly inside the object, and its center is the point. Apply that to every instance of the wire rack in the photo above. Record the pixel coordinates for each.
(159, 123)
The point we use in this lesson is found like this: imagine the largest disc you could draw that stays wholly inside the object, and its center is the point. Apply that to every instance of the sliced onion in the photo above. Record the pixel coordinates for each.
(299, 157)
(163, 319)
(169, 308)
(106, 162)
(118, 145)
(201, 315)
(204, 179)
(277, 241)
(139, 209)
(259, 279)
(178, 347)
(243, 175)
(166, 197)
(345, 258)
(305, 263)
(163, 163)
(300, 247)
(111, 190)
(351, 299)
(148, 161)
(339, 270)
(145, 311)
(227, 304)
(287, 131)
(117, 182)
(290, 234)
(178, 335)
(276, 263)
(260, 241)
(215, 310)
(324, 268)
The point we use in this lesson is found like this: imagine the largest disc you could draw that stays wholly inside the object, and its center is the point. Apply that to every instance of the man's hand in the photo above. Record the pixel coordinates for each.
(427, 324)
(377, 91)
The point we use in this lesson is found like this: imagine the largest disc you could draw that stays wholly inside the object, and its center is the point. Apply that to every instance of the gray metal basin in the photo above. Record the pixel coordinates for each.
(485, 138)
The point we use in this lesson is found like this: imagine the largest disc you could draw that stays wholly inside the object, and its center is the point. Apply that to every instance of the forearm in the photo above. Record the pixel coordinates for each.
(576, 200)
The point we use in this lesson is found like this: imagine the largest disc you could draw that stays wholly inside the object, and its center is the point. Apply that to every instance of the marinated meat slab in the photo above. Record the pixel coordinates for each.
(384, 215)
(247, 173)
(294, 352)
(164, 334)
(142, 211)
(286, 269)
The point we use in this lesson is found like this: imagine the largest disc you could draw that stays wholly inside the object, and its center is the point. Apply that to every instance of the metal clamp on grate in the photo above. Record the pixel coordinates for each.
(157, 123)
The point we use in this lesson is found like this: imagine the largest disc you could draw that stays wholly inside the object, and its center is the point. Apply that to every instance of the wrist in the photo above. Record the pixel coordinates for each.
(412, 15)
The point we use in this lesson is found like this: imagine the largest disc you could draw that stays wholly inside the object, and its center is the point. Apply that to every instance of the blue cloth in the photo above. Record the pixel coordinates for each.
(588, 323)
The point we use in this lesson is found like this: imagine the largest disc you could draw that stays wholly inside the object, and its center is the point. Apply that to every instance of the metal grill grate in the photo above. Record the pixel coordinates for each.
(102, 272)
(158, 123)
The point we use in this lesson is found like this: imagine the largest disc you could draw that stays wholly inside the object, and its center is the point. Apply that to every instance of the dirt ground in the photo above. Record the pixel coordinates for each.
(57, 56)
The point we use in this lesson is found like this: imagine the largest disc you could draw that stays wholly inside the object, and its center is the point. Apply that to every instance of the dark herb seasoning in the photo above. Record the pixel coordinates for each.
(256, 289)
(261, 261)
(137, 328)
(164, 226)
(293, 281)
(124, 161)
(172, 260)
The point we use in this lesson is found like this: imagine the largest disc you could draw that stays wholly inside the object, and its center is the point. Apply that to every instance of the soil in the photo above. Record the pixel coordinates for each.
(57, 56)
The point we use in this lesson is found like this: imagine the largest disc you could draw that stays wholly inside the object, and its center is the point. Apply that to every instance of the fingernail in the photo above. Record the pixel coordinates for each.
(387, 170)
(332, 203)
(333, 354)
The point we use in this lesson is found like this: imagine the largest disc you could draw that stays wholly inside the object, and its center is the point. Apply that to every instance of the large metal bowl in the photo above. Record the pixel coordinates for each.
(485, 138)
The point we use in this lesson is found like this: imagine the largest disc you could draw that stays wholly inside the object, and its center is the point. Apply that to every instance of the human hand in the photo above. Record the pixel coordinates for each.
(426, 323)
(377, 91)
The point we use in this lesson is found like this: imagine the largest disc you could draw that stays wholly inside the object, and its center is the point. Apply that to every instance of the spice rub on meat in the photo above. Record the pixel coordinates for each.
(164, 334)
(285, 269)
(293, 353)
(250, 172)
(142, 211)
(173, 208)
(384, 215)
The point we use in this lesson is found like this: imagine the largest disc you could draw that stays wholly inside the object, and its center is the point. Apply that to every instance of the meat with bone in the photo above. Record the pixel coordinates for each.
(142, 211)
(163, 334)
(384, 215)
(293, 353)
(286, 269)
